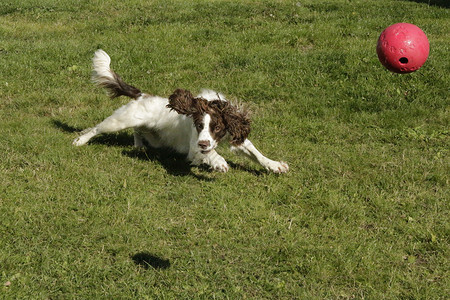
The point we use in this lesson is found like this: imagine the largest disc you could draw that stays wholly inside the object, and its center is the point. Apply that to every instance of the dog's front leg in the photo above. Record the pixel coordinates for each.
(247, 149)
(212, 159)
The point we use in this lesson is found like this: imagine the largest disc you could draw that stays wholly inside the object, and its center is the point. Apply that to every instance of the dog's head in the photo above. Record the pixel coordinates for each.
(213, 119)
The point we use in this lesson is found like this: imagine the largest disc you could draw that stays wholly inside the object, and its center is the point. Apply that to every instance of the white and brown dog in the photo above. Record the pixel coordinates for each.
(190, 125)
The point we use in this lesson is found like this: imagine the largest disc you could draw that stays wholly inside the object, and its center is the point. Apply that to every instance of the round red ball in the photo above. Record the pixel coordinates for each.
(403, 48)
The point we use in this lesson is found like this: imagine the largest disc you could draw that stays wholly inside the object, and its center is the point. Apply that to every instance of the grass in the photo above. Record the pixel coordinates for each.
(363, 213)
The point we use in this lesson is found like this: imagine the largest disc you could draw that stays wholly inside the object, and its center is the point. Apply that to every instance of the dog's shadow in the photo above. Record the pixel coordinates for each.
(173, 162)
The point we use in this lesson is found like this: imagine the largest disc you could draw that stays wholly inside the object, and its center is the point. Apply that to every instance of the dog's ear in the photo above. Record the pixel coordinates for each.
(184, 103)
(237, 123)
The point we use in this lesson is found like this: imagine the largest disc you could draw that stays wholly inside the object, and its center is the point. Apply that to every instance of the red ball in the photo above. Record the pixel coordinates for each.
(403, 48)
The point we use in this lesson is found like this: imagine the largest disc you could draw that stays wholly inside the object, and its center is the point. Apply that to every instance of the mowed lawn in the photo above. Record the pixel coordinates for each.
(362, 214)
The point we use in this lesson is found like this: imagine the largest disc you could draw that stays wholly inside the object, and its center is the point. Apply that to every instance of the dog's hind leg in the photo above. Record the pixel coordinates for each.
(122, 118)
(138, 140)
(87, 135)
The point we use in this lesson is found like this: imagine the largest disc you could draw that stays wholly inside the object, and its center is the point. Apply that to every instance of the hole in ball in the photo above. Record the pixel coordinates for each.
(403, 60)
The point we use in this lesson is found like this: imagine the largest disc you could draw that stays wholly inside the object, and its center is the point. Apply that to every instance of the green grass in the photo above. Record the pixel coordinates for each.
(363, 212)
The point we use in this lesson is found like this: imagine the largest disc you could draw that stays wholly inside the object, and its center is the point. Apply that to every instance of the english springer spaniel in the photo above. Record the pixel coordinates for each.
(190, 125)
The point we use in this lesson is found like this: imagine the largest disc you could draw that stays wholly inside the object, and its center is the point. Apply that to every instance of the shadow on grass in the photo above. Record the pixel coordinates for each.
(65, 127)
(441, 3)
(176, 163)
(147, 260)
(173, 162)
(120, 139)
(240, 167)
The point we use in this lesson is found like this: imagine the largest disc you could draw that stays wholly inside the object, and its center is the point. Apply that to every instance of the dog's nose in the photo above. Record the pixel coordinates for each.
(204, 144)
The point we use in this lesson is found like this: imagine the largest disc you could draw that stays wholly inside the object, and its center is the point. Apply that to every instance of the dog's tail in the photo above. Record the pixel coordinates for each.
(105, 77)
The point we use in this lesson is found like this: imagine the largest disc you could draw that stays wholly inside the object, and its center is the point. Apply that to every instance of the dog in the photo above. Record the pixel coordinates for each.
(190, 125)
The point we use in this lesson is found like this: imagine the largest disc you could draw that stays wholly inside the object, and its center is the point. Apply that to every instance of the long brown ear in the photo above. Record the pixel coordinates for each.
(237, 123)
(182, 102)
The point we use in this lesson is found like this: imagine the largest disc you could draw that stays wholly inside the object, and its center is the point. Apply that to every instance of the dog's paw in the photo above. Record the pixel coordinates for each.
(80, 141)
(221, 168)
(219, 164)
(85, 136)
(277, 167)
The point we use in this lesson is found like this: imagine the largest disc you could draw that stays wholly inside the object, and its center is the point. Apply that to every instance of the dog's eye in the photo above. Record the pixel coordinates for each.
(199, 126)
(217, 128)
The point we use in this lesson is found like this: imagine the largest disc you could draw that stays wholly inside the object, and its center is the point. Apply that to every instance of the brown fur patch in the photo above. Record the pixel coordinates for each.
(181, 101)
(237, 123)
(225, 117)
(118, 87)
(184, 103)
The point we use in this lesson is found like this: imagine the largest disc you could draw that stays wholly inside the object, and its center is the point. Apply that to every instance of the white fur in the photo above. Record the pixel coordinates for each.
(162, 127)
(101, 62)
